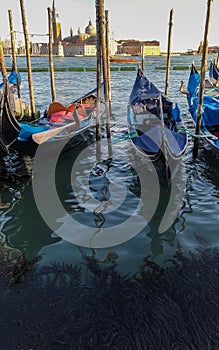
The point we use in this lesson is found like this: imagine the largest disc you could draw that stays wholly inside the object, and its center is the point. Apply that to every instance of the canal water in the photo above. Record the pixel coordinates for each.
(113, 259)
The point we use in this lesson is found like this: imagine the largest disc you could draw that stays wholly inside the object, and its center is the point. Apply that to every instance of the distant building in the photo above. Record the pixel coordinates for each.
(35, 48)
(84, 44)
(7, 47)
(151, 48)
(81, 44)
(77, 49)
(213, 49)
(57, 49)
(134, 47)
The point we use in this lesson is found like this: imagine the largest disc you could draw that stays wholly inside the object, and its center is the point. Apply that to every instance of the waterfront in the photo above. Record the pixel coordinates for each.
(194, 230)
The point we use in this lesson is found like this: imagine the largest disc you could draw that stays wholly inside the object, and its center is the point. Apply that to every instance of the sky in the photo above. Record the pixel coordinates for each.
(128, 19)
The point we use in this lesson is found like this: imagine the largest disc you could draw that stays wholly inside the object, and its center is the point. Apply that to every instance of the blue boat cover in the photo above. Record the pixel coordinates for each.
(143, 89)
(147, 98)
(175, 140)
(210, 115)
(12, 79)
(176, 113)
(27, 131)
(213, 71)
(150, 141)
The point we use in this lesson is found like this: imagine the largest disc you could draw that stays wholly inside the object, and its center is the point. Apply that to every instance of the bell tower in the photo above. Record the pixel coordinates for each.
(56, 25)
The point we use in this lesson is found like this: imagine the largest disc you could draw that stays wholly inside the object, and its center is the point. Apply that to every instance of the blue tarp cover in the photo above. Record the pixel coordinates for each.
(27, 131)
(176, 113)
(213, 71)
(144, 89)
(12, 79)
(146, 96)
(210, 115)
(150, 141)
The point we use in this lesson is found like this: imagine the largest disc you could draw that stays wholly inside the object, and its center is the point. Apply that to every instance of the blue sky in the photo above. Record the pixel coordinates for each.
(137, 19)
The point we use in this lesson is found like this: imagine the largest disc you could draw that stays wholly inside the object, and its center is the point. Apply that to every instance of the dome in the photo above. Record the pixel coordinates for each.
(90, 29)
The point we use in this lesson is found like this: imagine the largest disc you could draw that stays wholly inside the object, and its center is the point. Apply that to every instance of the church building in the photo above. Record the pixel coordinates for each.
(84, 43)
(81, 44)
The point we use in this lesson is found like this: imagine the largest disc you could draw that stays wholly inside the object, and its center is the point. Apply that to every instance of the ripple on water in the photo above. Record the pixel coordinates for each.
(198, 215)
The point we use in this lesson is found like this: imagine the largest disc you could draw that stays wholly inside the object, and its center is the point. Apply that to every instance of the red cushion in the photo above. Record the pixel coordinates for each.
(61, 117)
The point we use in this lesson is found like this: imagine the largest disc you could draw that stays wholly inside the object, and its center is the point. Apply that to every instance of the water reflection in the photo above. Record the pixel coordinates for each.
(199, 215)
(21, 225)
(91, 199)
(24, 229)
(197, 211)
(122, 296)
(91, 202)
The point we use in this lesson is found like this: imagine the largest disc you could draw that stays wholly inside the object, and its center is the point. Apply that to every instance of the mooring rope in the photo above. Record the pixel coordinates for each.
(182, 130)
(189, 132)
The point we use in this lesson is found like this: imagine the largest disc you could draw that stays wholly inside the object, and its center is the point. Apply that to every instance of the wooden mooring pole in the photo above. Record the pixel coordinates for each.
(104, 63)
(108, 53)
(202, 79)
(2, 62)
(142, 57)
(169, 52)
(3, 147)
(14, 59)
(27, 46)
(98, 76)
(51, 66)
(217, 62)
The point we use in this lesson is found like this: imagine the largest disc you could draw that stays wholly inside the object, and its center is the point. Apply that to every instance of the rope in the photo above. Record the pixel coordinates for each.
(187, 131)
(184, 130)
(30, 34)
(130, 135)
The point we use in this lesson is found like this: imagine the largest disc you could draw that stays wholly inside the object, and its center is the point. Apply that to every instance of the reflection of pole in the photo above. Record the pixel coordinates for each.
(98, 70)
(104, 61)
(51, 68)
(14, 60)
(108, 52)
(27, 46)
(202, 79)
(169, 52)
(110, 149)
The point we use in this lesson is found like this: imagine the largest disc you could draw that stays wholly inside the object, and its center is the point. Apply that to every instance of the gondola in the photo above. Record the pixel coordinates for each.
(213, 72)
(59, 127)
(20, 108)
(209, 131)
(155, 127)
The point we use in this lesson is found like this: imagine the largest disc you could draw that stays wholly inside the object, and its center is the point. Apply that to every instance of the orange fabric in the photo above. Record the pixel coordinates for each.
(58, 107)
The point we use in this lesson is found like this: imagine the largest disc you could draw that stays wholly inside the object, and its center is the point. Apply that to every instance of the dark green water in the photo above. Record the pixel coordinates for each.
(156, 306)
